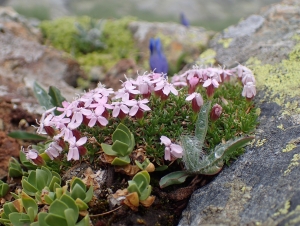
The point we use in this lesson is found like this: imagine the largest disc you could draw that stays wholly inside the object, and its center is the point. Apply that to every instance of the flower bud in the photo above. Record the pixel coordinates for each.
(216, 112)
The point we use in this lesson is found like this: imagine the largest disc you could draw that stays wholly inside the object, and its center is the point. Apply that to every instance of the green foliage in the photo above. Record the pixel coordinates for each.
(89, 39)
(49, 100)
(23, 135)
(38, 179)
(80, 193)
(3, 188)
(14, 168)
(123, 144)
(140, 184)
(63, 34)
(195, 159)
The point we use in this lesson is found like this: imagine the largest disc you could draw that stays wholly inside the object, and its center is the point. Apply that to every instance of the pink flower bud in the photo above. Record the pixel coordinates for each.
(216, 112)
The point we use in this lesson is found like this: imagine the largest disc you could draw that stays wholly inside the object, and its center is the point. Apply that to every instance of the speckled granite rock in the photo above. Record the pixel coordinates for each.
(263, 186)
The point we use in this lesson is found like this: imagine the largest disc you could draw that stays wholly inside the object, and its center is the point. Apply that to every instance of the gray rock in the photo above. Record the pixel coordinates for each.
(263, 186)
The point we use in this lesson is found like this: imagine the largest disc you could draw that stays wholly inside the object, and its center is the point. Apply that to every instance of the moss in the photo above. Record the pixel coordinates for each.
(118, 39)
(226, 42)
(207, 57)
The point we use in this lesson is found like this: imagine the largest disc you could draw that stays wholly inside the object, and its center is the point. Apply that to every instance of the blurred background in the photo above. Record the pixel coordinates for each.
(213, 14)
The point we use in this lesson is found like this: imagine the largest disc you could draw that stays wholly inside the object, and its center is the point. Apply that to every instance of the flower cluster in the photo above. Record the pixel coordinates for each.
(97, 106)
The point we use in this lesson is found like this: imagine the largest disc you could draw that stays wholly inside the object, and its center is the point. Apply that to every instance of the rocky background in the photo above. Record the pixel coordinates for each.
(262, 187)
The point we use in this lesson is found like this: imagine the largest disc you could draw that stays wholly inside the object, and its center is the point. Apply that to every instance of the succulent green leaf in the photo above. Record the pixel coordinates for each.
(127, 131)
(177, 177)
(28, 188)
(3, 188)
(19, 219)
(70, 217)
(43, 98)
(41, 220)
(132, 187)
(78, 192)
(121, 161)
(32, 178)
(54, 181)
(212, 170)
(41, 178)
(9, 208)
(81, 204)
(71, 204)
(56, 97)
(29, 205)
(54, 220)
(142, 180)
(120, 135)
(108, 149)
(121, 148)
(143, 165)
(75, 181)
(57, 208)
(14, 170)
(145, 193)
(49, 198)
(89, 194)
(84, 222)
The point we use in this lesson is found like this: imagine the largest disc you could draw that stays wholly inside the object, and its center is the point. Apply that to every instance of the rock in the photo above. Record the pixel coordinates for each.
(262, 187)
(24, 60)
(176, 39)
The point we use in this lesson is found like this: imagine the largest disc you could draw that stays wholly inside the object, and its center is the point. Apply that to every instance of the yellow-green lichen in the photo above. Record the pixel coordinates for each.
(294, 163)
(279, 80)
(289, 147)
(283, 210)
(260, 142)
(258, 111)
(226, 42)
(207, 57)
(280, 127)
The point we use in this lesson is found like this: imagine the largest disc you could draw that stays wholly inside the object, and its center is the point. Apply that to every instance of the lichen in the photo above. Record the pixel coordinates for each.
(289, 147)
(280, 127)
(294, 163)
(260, 142)
(283, 210)
(226, 42)
(207, 57)
(279, 80)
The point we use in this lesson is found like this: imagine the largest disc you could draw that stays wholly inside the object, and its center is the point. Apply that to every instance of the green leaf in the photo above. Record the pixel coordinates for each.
(121, 161)
(56, 97)
(145, 193)
(67, 200)
(233, 144)
(3, 188)
(161, 168)
(84, 222)
(29, 205)
(89, 194)
(121, 148)
(26, 136)
(28, 188)
(43, 98)
(81, 204)
(78, 181)
(78, 192)
(55, 220)
(108, 149)
(70, 217)
(41, 179)
(19, 219)
(120, 135)
(177, 177)
(41, 220)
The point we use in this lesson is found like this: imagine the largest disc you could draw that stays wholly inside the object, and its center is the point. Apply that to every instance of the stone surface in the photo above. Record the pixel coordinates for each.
(24, 60)
(263, 186)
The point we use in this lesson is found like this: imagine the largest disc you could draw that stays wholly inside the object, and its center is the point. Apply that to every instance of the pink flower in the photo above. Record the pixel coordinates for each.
(138, 107)
(53, 150)
(120, 109)
(163, 89)
(172, 151)
(96, 117)
(75, 147)
(216, 112)
(197, 101)
(179, 80)
(249, 90)
(211, 83)
(34, 156)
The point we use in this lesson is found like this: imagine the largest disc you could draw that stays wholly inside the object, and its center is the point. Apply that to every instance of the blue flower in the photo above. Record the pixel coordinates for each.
(158, 61)
(184, 21)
